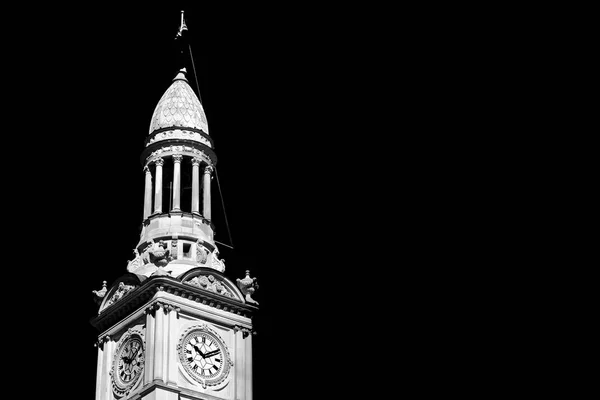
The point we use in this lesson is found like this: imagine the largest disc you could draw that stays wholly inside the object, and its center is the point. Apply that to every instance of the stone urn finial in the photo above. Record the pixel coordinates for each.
(99, 294)
(248, 286)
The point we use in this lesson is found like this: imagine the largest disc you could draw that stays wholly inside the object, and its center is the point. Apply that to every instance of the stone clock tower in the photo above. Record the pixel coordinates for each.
(174, 326)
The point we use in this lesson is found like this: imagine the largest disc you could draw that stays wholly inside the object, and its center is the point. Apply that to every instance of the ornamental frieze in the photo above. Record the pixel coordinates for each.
(177, 150)
(121, 292)
(210, 283)
(179, 134)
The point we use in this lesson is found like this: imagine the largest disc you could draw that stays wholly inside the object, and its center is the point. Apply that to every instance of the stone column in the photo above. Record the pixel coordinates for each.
(171, 360)
(176, 181)
(99, 370)
(159, 343)
(148, 193)
(149, 356)
(249, 367)
(158, 186)
(239, 364)
(206, 199)
(106, 389)
(195, 186)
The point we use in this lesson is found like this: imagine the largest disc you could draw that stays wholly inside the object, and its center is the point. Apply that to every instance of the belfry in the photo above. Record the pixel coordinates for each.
(173, 326)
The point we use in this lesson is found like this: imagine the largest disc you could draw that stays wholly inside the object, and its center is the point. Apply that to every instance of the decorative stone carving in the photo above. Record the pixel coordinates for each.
(158, 305)
(144, 255)
(170, 308)
(159, 162)
(248, 286)
(208, 169)
(121, 292)
(135, 263)
(245, 331)
(201, 253)
(160, 255)
(179, 134)
(100, 293)
(152, 308)
(101, 340)
(177, 158)
(184, 150)
(210, 283)
(214, 261)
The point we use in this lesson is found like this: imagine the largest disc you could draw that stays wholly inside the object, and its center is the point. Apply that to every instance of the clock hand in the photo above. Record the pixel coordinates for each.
(134, 355)
(212, 353)
(198, 351)
(127, 356)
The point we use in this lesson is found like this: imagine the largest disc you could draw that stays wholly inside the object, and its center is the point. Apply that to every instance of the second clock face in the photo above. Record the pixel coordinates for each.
(130, 362)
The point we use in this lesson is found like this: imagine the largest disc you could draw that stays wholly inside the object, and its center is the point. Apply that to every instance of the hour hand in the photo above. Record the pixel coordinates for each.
(199, 352)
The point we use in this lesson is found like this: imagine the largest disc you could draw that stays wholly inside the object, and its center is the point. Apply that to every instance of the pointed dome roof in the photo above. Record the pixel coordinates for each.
(179, 107)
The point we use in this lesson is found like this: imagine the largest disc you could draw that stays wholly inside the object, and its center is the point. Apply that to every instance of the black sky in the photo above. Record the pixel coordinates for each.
(337, 129)
(88, 80)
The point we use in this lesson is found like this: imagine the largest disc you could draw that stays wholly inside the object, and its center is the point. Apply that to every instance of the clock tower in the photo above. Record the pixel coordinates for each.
(174, 326)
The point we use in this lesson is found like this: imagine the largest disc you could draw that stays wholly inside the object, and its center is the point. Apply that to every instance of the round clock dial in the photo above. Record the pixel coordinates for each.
(204, 356)
(129, 364)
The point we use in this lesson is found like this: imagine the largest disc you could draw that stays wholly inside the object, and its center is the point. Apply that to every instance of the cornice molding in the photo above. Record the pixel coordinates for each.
(188, 393)
(168, 214)
(145, 292)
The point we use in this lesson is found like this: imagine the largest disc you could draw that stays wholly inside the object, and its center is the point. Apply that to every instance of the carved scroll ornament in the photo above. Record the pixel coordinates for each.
(210, 283)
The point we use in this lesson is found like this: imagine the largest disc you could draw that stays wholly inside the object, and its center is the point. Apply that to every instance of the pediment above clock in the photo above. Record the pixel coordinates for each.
(121, 288)
(213, 281)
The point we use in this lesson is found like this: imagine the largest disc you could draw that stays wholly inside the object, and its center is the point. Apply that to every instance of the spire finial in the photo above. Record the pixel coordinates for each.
(182, 27)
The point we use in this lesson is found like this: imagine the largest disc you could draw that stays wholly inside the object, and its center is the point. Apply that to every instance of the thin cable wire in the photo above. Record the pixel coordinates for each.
(195, 77)
(216, 173)
(223, 205)
(226, 245)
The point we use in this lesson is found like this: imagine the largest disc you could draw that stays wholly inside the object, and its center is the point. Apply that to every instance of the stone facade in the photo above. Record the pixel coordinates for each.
(174, 327)
(164, 314)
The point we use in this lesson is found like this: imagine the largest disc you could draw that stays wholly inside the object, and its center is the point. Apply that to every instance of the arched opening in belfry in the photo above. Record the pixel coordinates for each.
(167, 185)
(151, 183)
(201, 190)
(186, 185)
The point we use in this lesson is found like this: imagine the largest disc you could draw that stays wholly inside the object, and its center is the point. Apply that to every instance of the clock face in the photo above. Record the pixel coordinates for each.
(204, 356)
(128, 365)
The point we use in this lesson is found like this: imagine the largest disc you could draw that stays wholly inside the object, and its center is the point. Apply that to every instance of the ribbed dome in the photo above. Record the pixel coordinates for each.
(179, 107)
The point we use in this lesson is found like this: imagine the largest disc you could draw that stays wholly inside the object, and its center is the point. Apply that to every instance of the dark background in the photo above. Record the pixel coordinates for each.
(280, 91)
(359, 155)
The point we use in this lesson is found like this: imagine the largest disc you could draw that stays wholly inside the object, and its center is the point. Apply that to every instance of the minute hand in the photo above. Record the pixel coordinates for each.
(212, 353)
